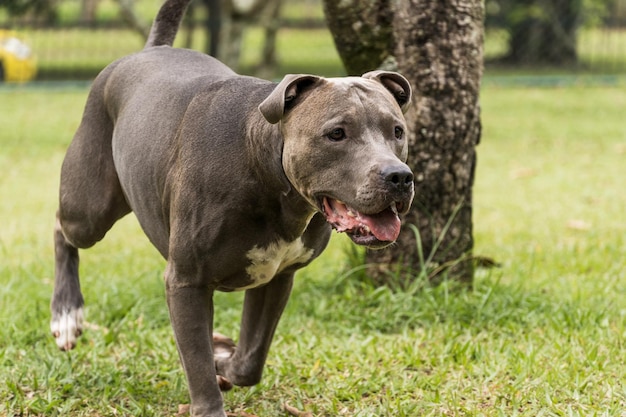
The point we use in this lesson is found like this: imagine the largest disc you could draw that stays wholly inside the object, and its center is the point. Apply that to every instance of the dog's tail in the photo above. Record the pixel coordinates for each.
(166, 23)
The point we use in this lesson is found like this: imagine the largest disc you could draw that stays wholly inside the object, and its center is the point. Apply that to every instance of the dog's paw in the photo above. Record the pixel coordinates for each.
(66, 327)
(224, 384)
(223, 347)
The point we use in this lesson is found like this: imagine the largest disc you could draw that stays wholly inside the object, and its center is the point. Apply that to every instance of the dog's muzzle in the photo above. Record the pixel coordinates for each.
(374, 228)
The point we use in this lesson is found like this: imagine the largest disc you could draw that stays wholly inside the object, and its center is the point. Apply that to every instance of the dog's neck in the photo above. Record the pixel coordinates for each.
(264, 146)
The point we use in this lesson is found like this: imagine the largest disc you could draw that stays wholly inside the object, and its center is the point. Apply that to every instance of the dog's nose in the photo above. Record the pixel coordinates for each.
(398, 177)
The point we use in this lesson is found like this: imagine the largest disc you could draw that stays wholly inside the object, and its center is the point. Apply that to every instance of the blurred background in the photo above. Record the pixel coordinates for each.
(48, 40)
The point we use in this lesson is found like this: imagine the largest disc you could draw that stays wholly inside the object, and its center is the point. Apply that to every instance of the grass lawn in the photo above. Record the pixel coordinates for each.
(544, 335)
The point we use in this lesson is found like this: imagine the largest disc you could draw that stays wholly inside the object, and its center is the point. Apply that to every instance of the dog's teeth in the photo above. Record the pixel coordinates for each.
(336, 205)
(350, 213)
(394, 208)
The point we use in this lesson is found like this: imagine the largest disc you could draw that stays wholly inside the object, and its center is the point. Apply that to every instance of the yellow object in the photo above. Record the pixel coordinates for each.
(17, 62)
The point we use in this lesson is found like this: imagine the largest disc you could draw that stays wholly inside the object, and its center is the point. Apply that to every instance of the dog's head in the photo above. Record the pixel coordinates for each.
(345, 148)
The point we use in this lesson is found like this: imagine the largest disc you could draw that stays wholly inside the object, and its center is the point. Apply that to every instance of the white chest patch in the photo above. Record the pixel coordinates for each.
(267, 262)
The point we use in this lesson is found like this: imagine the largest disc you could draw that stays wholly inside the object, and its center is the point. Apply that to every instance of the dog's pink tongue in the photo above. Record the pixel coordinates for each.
(385, 226)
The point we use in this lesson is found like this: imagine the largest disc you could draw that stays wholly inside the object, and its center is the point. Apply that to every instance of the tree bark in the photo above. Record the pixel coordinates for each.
(438, 46)
(127, 9)
(362, 32)
(88, 10)
(226, 30)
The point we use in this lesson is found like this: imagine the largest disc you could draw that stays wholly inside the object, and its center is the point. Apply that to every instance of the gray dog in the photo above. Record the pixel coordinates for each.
(236, 181)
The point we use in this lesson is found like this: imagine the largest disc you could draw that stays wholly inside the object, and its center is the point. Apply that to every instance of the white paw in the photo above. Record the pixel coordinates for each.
(66, 327)
(223, 346)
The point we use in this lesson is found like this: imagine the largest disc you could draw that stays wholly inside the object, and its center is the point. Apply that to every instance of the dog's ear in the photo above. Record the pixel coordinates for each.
(285, 95)
(396, 84)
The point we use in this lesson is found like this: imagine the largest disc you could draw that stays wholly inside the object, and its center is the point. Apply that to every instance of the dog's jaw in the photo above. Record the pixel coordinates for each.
(375, 230)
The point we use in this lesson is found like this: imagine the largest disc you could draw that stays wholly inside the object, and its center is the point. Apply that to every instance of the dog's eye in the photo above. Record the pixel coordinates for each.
(336, 135)
(398, 132)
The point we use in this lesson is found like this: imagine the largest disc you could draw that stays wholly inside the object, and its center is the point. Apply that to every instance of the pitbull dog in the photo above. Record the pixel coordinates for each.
(236, 181)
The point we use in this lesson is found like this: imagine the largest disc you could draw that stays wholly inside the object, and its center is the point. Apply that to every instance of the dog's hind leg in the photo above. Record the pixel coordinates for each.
(91, 201)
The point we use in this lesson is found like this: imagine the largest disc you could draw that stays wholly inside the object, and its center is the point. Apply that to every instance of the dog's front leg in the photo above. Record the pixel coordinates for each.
(191, 315)
(263, 307)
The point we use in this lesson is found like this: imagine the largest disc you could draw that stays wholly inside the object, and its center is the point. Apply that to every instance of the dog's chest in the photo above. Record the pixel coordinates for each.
(266, 262)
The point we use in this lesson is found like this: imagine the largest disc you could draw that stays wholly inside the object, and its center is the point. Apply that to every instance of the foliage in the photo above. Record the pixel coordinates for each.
(506, 13)
(595, 12)
(36, 7)
(545, 32)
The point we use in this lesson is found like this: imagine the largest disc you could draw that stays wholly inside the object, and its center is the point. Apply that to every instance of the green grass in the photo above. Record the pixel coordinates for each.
(544, 335)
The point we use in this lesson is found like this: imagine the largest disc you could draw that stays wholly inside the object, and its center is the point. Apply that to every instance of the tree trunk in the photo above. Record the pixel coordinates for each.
(437, 45)
(88, 10)
(362, 32)
(127, 9)
(213, 26)
(233, 17)
(270, 20)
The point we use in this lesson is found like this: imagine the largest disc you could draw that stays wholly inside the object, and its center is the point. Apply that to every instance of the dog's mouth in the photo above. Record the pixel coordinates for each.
(372, 230)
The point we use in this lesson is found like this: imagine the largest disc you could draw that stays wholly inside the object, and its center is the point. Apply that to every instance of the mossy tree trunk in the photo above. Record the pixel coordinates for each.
(437, 45)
